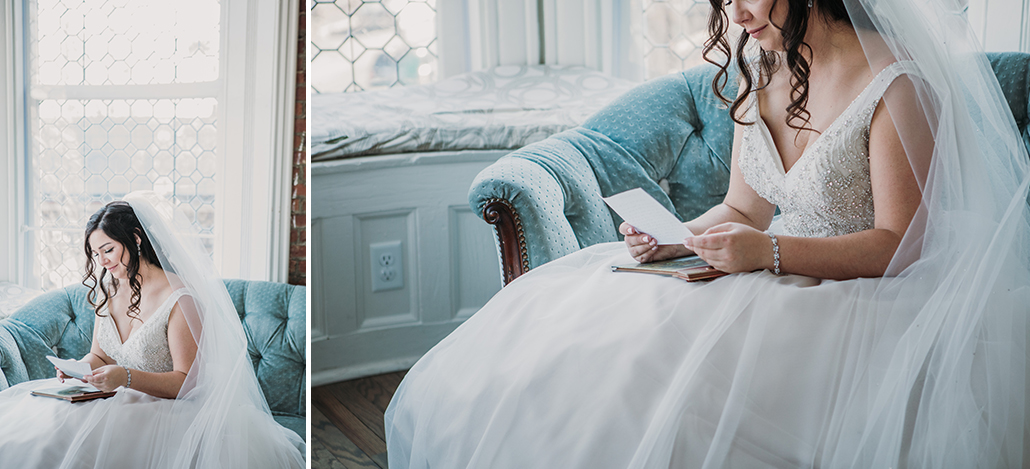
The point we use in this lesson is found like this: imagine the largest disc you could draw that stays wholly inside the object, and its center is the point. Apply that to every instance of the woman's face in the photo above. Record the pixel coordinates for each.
(109, 254)
(759, 19)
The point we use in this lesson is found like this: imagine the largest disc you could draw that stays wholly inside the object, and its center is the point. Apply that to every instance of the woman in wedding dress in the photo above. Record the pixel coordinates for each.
(166, 337)
(880, 322)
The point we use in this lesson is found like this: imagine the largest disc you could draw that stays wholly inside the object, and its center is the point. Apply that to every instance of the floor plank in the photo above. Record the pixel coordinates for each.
(349, 424)
(331, 449)
(389, 381)
(372, 390)
(352, 395)
(347, 428)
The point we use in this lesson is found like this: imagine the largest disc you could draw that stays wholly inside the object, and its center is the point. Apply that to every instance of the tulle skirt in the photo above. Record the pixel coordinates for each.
(576, 366)
(134, 430)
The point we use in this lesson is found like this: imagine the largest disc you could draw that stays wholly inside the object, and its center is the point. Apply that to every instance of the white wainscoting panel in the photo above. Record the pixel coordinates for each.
(473, 257)
(388, 307)
(449, 259)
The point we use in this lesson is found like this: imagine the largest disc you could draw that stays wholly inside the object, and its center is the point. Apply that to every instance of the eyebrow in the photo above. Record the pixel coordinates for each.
(102, 245)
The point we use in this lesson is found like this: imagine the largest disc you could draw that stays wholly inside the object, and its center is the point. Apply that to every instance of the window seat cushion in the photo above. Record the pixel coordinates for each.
(505, 107)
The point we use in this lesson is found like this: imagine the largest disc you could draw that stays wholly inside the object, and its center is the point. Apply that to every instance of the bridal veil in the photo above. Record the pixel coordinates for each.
(220, 418)
(935, 369)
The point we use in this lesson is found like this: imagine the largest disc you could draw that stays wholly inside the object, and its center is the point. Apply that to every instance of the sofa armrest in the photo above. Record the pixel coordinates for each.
(511, 238)
(536, 201)
(12, 366)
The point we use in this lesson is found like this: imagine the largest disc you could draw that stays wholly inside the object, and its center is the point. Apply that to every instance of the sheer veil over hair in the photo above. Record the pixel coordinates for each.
(220, 418)
(953, 391)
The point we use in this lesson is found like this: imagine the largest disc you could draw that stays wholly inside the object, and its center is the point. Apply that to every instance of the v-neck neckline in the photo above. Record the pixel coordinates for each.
(778, 157)
(133, 333)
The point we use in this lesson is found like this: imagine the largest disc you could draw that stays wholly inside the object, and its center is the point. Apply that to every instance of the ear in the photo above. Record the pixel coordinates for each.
(137, 238)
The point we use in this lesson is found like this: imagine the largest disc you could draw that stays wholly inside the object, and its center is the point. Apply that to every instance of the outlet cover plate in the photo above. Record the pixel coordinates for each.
(387, 262)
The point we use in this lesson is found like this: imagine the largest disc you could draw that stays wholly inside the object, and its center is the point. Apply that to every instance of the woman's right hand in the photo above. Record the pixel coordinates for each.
(645, 248)
(61, 376)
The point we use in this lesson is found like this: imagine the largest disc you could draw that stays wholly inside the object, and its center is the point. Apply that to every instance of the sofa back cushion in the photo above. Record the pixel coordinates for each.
(1013, 72)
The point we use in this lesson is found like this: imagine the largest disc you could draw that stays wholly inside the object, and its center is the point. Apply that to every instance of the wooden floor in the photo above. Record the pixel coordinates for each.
(347, 422)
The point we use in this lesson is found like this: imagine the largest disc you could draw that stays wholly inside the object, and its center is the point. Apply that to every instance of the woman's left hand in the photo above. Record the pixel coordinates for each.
(107, 377)
(733, 247)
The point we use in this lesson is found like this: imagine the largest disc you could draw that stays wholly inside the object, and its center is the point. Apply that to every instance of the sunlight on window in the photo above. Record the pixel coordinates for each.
(122, 42)
(674, 35)
(361, 45)
(96, 135)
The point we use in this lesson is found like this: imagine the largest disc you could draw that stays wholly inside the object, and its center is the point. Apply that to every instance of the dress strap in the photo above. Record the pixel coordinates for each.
(174, 297)
(875, 90)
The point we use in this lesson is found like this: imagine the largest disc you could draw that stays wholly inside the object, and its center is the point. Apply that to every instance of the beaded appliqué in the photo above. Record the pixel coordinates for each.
(146, 348)
(828, 191)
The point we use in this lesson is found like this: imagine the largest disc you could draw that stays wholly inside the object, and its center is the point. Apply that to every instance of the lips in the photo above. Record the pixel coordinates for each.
(755, 32)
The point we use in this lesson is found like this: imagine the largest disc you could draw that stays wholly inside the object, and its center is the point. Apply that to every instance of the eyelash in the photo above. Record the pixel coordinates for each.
(105, 252)
(727, 3)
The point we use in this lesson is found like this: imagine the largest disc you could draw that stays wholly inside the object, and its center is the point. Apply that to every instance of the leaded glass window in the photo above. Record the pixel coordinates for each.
(121, 95)
(367, 44)
(674, 35)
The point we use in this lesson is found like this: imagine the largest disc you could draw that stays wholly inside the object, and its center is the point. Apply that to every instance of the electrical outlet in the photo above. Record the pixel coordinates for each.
(387, 263)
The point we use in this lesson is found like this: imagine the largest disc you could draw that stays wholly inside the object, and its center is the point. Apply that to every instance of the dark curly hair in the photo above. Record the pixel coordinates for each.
(119, 222)
(793, 30)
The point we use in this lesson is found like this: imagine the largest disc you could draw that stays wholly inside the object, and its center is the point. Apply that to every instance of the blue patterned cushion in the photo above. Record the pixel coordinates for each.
(1013, 71)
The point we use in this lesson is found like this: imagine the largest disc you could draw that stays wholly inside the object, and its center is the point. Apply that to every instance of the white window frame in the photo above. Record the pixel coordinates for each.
(259, 62)
(256, 116)
(1001, 25)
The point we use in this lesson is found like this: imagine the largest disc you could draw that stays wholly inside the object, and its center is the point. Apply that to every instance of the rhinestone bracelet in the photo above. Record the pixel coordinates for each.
(776, 253)
(128, 377)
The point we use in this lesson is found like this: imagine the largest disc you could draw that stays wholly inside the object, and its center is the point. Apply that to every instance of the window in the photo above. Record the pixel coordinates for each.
(674, 35)
(192, 98)
(362, 45)
(120, 96)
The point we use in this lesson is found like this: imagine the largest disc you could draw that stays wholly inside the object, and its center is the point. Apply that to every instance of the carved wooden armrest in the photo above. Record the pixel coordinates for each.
(511, 239)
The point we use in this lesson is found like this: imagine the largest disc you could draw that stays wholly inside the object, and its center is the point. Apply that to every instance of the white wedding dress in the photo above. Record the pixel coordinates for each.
(118, 432)
(575, 366)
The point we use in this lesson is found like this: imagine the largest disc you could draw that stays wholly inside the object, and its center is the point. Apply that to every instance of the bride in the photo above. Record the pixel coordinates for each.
(880, 322)
(166, 337)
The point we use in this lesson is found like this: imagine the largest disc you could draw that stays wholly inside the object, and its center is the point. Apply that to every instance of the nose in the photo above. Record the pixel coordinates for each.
(737, 13)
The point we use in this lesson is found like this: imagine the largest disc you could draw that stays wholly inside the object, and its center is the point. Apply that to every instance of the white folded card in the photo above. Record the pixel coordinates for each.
(73, 368)
(639, 209)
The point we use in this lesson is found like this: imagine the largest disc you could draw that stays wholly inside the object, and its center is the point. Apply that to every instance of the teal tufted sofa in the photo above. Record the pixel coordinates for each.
(670, 136)
(273, 317)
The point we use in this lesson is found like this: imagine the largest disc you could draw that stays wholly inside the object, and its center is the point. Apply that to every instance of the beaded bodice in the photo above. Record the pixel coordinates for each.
(146, 348)
(828, 191)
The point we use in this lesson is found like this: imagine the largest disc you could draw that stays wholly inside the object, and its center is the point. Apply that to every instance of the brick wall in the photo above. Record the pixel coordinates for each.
(298, 210)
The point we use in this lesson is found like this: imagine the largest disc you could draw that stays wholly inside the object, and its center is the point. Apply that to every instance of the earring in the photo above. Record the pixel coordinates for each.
(138, 253)
(810, 3)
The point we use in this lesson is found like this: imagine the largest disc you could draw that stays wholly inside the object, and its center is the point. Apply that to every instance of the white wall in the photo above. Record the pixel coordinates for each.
(1001, 25)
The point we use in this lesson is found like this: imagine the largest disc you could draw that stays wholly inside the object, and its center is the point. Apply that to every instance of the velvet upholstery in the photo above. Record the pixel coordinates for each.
(671, 131)
(273, 316)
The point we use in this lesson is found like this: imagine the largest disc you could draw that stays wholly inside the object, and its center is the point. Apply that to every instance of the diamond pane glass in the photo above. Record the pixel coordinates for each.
(368, 44)
(673, 33)
(86, 149)
(76, 182)
(121, 42)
